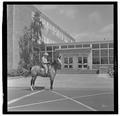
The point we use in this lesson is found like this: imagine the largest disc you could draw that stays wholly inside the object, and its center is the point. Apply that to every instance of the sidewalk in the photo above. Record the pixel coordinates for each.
(66, 81)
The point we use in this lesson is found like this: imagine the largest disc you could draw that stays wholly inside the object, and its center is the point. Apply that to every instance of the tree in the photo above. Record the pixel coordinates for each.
(36, 27)
(25, 47)
(31, 35)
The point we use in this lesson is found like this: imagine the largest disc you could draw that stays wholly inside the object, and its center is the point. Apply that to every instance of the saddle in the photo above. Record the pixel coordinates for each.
(45, 74)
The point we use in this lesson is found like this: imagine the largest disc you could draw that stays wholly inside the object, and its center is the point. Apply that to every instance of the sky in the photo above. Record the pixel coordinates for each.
(83, 22)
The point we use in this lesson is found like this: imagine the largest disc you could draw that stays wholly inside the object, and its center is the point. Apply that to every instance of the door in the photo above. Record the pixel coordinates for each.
(82, 62)
(68, 62)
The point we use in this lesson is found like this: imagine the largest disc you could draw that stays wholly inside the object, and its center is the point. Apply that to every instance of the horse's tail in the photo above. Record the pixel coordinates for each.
(28, 72)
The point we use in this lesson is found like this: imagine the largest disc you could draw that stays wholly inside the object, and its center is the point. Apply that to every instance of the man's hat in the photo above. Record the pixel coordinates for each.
(45, 54)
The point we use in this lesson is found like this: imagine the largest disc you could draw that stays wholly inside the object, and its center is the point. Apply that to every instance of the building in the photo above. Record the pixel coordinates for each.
(75, 55)
(84, 55)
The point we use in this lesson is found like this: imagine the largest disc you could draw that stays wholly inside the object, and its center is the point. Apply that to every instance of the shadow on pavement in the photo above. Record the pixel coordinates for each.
(35, 88)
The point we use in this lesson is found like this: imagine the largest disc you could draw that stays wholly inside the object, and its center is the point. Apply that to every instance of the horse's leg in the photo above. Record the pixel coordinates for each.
(32, 83)
(34, 80)
(51, 83)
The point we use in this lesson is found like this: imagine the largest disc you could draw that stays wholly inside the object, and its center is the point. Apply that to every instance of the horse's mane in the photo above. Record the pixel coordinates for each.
(54, 64)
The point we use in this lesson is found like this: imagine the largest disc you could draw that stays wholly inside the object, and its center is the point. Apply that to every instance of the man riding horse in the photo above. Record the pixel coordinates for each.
(48, 71)
(45, 62)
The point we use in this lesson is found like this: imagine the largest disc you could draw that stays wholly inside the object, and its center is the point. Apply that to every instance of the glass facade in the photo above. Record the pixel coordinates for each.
(86, 45)
(95, 53)
(70, 46)
(110, 52)
(64, 46)
(55, 47)
(110, 45)
(49, 48)
(95, 46)
(79, 46)
(104, 45)
(96, 60)
(104, 60)
(110, 60)
(103, 54)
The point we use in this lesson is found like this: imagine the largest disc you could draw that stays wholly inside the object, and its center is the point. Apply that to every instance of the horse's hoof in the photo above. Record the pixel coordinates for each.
(31, 88)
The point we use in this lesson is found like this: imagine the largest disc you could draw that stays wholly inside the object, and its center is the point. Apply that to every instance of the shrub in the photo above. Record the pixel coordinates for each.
(13, 73)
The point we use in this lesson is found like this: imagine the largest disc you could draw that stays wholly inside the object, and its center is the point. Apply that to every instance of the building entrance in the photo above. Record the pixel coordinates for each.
(68, 62)
(82, 62)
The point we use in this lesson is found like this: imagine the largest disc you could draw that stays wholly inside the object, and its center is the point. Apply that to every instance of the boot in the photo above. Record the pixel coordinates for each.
(45, 74)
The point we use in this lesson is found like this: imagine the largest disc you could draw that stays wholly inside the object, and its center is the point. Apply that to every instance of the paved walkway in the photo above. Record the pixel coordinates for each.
(85, 92)
(66, 81)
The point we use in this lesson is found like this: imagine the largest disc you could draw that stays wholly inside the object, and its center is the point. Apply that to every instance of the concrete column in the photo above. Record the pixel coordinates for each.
(9, 37)
(75, 62)
(90, 59)
(15, 41)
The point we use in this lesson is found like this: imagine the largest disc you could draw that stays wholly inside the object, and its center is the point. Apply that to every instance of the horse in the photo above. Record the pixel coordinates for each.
(38, 70)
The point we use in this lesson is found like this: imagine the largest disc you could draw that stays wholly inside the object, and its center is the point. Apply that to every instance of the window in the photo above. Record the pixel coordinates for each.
(86, 45)
(70, 46)
(110, 60)
(110, 45)
(95, 53)
(70, 60)
(95, 45)
(104, 52)
(79, 66)
(85, 66)
(104, 60)
(50, 56)
(70, 66)
(65, 66)
(64, 46)
(80, 60)
(96, 60)
(79, 46)
(110, 52)
(104, 45)
(55, 47)
(66, 60)
(49, 48)
(84, 59)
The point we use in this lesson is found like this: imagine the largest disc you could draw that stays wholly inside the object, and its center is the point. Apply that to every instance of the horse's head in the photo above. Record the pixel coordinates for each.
(57, 62)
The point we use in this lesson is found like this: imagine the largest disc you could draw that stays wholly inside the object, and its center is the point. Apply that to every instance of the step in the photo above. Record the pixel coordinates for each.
(77, 71)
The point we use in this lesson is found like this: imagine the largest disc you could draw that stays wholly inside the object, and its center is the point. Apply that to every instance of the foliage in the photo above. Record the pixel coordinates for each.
(30, 38)
(19, 72)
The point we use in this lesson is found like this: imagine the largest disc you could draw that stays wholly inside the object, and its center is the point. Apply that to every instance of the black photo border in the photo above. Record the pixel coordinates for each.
(4, 55)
